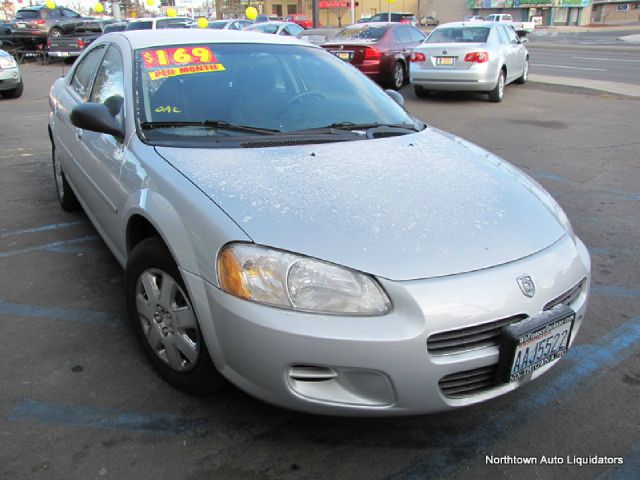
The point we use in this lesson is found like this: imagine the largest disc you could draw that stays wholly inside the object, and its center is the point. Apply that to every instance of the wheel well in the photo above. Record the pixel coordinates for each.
(504, 69)
(138, 229)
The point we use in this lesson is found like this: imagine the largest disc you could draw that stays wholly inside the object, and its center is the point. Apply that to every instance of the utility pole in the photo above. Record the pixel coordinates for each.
(316, 14)
(115, 9)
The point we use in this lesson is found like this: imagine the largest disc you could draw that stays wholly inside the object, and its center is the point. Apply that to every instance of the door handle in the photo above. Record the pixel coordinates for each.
(79, 133)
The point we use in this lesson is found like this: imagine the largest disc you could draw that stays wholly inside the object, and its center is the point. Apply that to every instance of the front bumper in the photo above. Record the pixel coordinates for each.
(9, 78)
(381, 365)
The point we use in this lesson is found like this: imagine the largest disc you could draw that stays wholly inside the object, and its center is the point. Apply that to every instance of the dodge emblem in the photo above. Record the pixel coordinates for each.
(527, 286)
(444, 52)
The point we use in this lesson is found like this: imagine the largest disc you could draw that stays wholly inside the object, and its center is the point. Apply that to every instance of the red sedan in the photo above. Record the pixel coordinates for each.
(380, 50)
(301, 20)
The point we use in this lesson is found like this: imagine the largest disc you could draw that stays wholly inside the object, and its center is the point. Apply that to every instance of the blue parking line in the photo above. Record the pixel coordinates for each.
(42, 228)
(560, 178)
(102, 418)
(613, 291)
(48, 246)
(58, 313)
(628, 470)
(579, 369)
(552, 176)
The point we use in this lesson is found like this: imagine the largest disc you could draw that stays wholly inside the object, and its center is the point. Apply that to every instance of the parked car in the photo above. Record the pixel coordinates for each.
(11, 84)
(508, 19)
(118, 26)
(230, 24)
(395, 17)
(302, 235)
(276, 28)
(318, 36)
(153, 23)
(69, 47)
(39, 22)
(364, 20)
(267, 18)
(380, 50)
(6, 37)
(464, 56)
(301, 19)
(429, 21)
(473, 18)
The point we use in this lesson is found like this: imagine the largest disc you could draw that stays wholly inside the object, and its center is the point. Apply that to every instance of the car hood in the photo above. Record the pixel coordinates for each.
(415, 206)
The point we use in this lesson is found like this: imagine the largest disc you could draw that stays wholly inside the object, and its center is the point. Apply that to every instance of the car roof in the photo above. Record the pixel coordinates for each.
(466, 24)
(155, 38)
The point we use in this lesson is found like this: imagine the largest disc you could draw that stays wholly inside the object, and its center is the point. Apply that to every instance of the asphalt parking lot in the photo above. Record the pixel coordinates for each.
(79, 401)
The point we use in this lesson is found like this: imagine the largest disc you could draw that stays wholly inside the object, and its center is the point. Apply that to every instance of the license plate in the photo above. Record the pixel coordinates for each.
(21, 25)
(346, 56)
(444, 60)
(528, 345)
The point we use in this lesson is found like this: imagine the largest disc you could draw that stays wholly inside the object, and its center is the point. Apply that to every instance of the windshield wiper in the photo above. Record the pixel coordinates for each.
(351, 126)
(216, 124)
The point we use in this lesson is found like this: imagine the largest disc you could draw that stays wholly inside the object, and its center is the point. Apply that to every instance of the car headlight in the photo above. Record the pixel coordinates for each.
(7, 62)
(286, 280)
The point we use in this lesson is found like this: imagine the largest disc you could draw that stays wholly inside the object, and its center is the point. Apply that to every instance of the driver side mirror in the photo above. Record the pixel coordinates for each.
(96, 117)
(395, 96)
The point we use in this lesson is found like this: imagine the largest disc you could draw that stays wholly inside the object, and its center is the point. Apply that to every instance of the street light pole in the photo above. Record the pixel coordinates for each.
(316, 13)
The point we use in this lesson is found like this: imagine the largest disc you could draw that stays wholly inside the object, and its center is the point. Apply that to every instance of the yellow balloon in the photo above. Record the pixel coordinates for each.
(251, 13)
(203, 22)
(151, 3)
(391, 1)
(171, 12)
(98, 8)
(50, 4)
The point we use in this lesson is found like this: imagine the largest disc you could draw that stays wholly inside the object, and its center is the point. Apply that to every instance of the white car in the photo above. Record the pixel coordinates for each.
(11, 85)
(286, 224)
(474, 56)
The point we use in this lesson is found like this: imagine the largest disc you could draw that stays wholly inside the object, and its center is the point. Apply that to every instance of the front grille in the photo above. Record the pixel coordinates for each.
(568, 297)
(469, 382)
(469, 338)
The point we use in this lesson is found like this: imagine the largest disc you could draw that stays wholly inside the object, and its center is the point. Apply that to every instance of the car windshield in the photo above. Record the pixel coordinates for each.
(219, 25)
(212, 90)
(365, 32)
(459, 35)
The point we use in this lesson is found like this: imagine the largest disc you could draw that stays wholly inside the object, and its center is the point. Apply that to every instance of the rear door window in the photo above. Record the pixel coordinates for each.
(27, 14)
(85, 71)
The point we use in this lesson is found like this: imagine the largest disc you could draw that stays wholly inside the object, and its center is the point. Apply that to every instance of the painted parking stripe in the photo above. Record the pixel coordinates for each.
(628, 470)
(88, 416)
(567, 67)
(613, 291)
(581, 367)
(59, 313)
(42, 228)
(48, 246)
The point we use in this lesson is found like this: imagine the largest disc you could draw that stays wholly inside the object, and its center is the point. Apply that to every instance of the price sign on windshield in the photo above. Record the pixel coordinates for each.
(177, 56)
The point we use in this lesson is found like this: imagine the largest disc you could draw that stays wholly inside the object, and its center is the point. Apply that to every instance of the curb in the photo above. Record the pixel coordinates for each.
(625, 47)
(616, 88)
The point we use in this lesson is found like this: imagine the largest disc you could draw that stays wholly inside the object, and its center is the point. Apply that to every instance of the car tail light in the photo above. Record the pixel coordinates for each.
(477, 57)
(371, 53)
(39, 22)
(48, 43)
(405, 21)
(418, 57)
(80, 43)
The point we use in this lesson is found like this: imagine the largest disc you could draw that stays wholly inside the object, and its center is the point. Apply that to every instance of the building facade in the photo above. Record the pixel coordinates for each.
(615, 12)
(542, 12)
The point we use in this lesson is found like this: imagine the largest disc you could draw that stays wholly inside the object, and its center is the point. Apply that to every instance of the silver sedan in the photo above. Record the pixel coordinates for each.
(475, 56)
(287, 225)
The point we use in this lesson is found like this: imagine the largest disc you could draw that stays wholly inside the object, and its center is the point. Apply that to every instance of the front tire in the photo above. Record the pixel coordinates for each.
(14, 92)
(165, 322)
(397, 76)
(497, 93)
(525, 73)
(55, 32)
(66, 197)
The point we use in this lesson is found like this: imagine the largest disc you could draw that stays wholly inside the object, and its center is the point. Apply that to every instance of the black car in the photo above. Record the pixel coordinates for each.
(40, 22)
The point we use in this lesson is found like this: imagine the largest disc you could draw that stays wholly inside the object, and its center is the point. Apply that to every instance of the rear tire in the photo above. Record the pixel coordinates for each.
(165, 322)
(14, 92)
(421, 92)
(66, 197)
(497, 93)
(397, 76)
(525, 73)
(55, 32)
